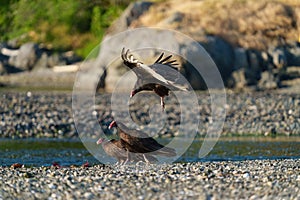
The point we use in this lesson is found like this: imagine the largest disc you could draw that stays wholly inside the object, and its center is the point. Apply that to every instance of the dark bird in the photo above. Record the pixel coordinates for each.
(118, 150)
(154, 77)
(114, 148)
(140, 142)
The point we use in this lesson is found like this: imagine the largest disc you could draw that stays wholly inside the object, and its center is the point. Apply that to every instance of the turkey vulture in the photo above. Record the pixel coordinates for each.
(154, 77)
(140, 142)
(118, 149)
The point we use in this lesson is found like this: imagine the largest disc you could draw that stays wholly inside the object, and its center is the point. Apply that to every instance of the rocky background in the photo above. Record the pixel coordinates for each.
(255, 44)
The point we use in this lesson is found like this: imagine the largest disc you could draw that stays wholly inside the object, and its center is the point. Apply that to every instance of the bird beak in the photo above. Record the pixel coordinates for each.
(112, 124)
(100, 141)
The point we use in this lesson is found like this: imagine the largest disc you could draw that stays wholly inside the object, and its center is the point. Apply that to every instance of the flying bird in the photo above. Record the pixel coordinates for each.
(118, 149)
(155, 77)
(140, 142)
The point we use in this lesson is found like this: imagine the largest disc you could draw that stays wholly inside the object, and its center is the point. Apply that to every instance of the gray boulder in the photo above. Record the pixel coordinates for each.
(41, 63)
(26, 57)
(293, 55)
(199, 67)
(238, 79)
(31, 56)
(253, 72)
(267, 63)
(268, 81)
(5, 68)
(240, 59)
(279, 57)
(222, 53)
(247, 68)
(2, 69)
(3, 58)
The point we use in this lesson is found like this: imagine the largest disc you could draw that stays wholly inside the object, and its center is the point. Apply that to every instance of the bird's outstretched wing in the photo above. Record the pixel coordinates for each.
(141, 142)
(162, 67)
(154, 73)
(141, 70)
(166, 61)
(129, 60)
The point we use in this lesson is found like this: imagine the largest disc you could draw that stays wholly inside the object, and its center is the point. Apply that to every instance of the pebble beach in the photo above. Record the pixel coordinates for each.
(256, 179)
(49, 115)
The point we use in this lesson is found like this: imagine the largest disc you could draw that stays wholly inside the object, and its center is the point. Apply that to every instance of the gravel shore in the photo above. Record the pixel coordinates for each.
(256, 179)
(40, 114)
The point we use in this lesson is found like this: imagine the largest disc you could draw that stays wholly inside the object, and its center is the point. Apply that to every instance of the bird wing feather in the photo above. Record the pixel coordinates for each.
(142, 141)
(113, 149)
(154, 73)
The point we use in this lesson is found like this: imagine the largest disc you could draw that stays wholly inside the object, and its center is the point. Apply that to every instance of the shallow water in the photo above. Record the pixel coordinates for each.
(43, 152)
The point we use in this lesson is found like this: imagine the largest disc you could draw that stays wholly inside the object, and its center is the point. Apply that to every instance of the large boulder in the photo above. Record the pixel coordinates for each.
(31, 56)
(293, 55)
(248, 66)
(279, 57)
(2, 69)
(5, 68)
(238, 79)
(26, 58)
(253, 72)
(240, 59)
(41, 63)
(268, 81)
(222, 53)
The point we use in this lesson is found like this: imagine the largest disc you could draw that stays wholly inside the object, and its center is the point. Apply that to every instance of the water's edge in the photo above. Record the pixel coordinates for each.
(43, 152)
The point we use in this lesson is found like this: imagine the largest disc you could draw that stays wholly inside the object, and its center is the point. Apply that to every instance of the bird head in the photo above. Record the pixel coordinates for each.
(132, 93)
(100, 141)
(112, 124)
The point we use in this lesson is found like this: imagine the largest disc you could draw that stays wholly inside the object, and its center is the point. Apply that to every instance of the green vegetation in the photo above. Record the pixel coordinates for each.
(59, 24)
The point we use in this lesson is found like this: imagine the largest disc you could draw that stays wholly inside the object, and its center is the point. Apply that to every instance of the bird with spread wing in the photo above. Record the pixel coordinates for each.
(159, 77)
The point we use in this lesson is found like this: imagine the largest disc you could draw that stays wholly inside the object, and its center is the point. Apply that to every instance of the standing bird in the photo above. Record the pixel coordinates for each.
(140, 142)
(154, 77)
(118, 149)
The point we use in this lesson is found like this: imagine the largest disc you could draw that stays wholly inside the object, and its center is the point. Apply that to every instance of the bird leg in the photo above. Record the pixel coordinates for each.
(128, 157)
(162, 103)
(146, 160)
